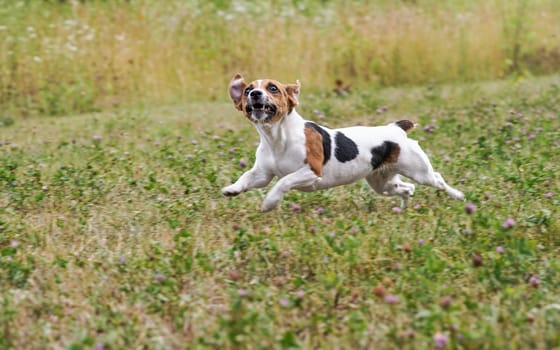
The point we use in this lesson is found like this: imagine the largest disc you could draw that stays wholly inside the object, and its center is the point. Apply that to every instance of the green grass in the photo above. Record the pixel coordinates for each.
(114, 234)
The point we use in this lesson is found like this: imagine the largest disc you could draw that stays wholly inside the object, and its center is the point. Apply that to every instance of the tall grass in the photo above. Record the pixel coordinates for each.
(71, 56)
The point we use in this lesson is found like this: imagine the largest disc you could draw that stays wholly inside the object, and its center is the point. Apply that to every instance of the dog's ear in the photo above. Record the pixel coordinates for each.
(293, 93)
(236, 87)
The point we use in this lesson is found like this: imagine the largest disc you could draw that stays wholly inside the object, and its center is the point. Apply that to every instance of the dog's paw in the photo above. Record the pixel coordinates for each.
(268, 206)
(230, 191)
(458, 195)
(403, 189)
(406, 189)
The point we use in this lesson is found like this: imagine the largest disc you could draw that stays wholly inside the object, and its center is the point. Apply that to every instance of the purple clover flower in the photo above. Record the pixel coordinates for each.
(429, 128)
(470, 208)
(391, 299)
(440, 340)
(534, 281)
(508, 223)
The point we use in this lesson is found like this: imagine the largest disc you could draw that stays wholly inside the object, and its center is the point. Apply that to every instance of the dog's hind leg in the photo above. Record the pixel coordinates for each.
(301, 178)
(415, 164)
(391, 185)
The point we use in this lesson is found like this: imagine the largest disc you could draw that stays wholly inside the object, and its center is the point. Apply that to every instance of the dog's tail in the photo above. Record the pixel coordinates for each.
(404, 124)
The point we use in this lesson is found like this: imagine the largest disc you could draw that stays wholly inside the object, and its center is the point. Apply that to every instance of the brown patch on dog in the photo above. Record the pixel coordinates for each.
(314, 149)
(387, 152)
(235, 89)
(394, 154)
(406, 125)
(293, 93)
(285, 98)
(236, 92)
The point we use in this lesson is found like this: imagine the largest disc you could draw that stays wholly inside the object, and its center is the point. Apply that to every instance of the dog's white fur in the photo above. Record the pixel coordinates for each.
(282, 151)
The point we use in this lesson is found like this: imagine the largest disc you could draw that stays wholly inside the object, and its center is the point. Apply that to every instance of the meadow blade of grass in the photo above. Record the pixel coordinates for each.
(114, 234)
(73, 56)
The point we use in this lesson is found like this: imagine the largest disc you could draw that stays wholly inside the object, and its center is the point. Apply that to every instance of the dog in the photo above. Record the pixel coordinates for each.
(308, 157)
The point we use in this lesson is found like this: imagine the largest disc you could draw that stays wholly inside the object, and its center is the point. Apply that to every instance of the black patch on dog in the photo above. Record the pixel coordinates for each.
(346, 149)
(326, 140)
(386, 152)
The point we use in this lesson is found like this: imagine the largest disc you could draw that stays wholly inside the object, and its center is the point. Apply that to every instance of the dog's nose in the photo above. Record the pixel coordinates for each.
(256, 93)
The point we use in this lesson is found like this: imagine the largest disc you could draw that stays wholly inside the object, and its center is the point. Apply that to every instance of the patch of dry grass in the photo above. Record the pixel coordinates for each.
(57, 58)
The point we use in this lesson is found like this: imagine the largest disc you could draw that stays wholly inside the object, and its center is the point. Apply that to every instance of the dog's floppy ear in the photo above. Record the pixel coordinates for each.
(236, 87)
(293, 93)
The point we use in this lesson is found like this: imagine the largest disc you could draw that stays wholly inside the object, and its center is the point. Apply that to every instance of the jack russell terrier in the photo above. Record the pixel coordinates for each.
(308, 157)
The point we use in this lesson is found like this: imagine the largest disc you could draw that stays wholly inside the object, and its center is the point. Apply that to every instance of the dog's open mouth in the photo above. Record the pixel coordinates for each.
(260, 108)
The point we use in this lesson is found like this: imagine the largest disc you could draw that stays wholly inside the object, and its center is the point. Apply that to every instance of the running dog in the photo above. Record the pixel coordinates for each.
(308, 157)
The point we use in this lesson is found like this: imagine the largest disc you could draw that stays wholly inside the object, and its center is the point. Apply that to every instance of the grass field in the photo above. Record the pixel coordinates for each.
(114, 234)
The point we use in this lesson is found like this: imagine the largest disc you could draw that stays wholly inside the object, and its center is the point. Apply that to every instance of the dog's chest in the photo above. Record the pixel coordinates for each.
(282, 159)
(282, 149)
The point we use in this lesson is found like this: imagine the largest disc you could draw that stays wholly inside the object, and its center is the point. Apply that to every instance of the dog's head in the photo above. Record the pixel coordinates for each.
(263, 100)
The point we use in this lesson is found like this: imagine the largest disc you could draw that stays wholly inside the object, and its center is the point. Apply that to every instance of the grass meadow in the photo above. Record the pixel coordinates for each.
(116, 137)
(114, 233)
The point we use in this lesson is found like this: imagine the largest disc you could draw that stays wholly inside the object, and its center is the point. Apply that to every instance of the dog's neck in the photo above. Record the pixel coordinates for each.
(278, 135)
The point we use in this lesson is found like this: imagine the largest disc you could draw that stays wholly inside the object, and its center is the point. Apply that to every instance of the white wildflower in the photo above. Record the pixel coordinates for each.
(71, 47)
(89, 36)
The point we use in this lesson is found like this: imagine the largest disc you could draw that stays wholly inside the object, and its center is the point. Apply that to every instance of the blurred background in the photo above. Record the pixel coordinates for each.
(61, 57)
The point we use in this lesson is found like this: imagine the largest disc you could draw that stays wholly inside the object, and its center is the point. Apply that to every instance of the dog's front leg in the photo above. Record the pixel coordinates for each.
(300, 178)
(254, 178)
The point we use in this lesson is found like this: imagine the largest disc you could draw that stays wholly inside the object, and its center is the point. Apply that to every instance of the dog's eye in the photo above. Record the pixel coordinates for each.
(247, 90)
(272, 88)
